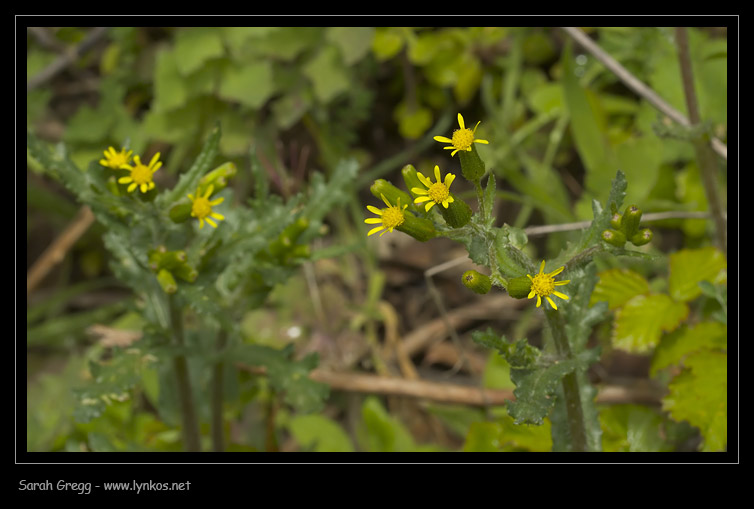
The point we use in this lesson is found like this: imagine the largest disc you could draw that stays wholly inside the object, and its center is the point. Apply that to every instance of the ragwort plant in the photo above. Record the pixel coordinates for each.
(196, 262)
(550, 382)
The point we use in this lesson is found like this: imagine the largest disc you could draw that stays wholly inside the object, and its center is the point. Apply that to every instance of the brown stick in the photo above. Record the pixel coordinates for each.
(56, 251)
(636, 85)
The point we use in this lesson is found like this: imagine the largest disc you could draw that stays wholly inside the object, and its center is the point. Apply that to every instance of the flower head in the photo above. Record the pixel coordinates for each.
(543, 285)
(437, 193)
(462, 139)
(115, 159)
(141, 174)
(201, 207)
(390, 218)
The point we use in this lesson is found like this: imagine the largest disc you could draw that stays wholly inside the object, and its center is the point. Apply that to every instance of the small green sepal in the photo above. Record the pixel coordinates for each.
(418, 227)
(519, 287)
(472, 166)
(630, 221)
(458, 213)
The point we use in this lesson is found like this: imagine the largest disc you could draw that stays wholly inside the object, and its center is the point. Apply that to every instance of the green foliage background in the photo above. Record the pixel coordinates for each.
(306, 99)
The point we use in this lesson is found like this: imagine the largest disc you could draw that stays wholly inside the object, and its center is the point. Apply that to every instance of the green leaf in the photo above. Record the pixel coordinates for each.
(673, 348)
(353, 42)
(618, 286)
(632, 428)
(483, 437)
(640, 323)
(250, 84)
(382, 432)
(519, 354)
(536, 388)
(596, 154)
(328, 74)
(170, 89)
(188, 181)
(194, 46)
(387, 42)
(688, 267)
(111, 381)
(319, 434)
(699, 395)
(285, 374)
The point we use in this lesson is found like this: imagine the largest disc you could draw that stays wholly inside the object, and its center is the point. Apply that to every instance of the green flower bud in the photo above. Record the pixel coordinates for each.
(643, 236)
(382, 187)
(410, 178)
(180, 212)
(472, 166)
(167, 281)
(476, 281)
(614, 237)
(218, 178)
(418, 227)
(457, 214)
(615, 221)
(519, 287)
(630, 222)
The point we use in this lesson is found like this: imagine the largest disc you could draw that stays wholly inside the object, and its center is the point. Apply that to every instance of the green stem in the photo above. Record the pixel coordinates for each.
(185, 395)
(571, 392)
(217, 396)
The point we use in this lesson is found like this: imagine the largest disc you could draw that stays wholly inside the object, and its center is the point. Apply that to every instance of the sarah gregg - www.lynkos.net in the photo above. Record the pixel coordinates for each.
(85, 488)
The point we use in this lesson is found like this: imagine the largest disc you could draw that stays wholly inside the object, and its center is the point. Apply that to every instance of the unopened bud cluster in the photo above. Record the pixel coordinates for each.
(626, 228)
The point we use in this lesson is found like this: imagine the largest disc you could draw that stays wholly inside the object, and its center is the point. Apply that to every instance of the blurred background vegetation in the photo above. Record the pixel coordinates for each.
(559, 124)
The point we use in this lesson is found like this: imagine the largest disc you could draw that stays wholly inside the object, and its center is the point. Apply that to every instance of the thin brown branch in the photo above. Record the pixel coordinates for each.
(55, 252)
(637, 85)
(704, 156)
(66, 59)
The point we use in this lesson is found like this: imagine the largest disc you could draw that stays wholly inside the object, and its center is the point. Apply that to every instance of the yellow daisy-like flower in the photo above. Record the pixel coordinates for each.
(462, 138)
(115, 159)
(390, 218)
(201, 208)
(543, 285)
(141, 175)
(435, 194)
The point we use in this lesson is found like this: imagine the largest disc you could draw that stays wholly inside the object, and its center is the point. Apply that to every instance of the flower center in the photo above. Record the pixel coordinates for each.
(141, 174)
(392, 217)
(543, 284)
(201, 208)
(438, 192)
(463, 138)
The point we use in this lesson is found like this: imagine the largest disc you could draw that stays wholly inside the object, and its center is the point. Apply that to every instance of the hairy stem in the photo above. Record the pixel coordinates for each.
(572, 394)
(185, 394)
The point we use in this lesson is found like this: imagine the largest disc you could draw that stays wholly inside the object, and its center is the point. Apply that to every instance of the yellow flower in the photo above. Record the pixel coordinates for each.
(462, 138)
(543, 285)
(201, 207)
(390, 218)
(141, 175)
(437, 193)
(115, 159)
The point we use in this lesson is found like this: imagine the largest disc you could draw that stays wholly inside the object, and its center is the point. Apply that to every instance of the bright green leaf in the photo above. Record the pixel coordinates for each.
(690, 266)
(618, 286)
(674, 347)
(170, 89)
(640, 323)
(383, 432)
(387, 42)
(699, 395)
(483, 437)
(320, 434)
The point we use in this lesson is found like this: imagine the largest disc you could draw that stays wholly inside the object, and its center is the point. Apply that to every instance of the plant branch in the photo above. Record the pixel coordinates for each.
(218, 444)
(185, 395)
(571, 392)
(704, 155)
(636, 85)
